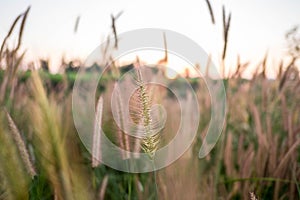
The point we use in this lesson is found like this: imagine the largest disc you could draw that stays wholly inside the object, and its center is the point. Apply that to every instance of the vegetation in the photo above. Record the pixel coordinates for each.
(257, 157)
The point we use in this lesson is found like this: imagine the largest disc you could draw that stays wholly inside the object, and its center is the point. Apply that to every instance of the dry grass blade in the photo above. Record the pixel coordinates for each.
(113, 26)
(50, 141)
(280, 70)
(103, 188)
(96, 148)
(210, 11)
(226, 26)
(11, 58)
(284, 161)
(22, 28)
(76, 24)
(264, 65)
(258, 126)
(284, 111)
(165, 59)
(238, 67)
(17, 64)
(14, 180)
(224, 18)
(283, 79)
(123, 139)
(264, 87)
(228, 157)
(255, 74)
(106, 48)
(208, 63)
(290, 137)
(21, 146)
(9, 34)
(247, 163)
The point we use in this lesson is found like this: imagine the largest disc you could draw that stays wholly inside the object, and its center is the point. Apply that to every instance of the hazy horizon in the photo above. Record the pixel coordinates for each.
(256, 26)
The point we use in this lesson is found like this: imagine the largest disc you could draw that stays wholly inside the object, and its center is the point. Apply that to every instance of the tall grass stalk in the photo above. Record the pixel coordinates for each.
(14, 178)
(96, 148)
(150, 140)
(21, 146)
(50, 141)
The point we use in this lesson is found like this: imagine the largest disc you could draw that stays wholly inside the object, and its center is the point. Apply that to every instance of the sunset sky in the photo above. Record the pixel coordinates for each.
(49, 33)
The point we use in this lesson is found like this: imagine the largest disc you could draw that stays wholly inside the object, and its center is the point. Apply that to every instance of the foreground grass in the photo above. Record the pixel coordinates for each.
(259, 151)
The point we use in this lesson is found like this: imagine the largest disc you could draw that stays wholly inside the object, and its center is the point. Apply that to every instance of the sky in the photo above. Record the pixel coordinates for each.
(257, 25)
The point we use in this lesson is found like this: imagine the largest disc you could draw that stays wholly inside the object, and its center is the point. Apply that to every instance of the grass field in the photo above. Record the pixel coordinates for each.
(256, 157)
